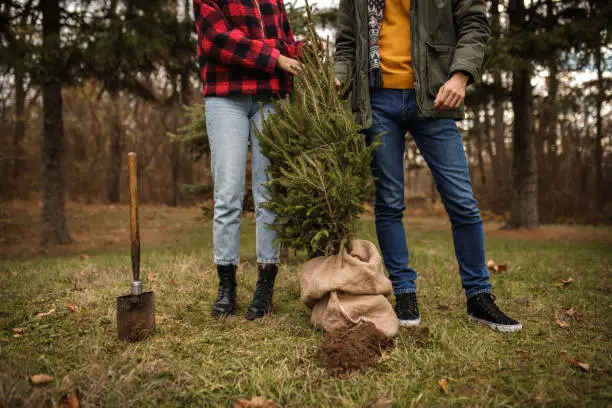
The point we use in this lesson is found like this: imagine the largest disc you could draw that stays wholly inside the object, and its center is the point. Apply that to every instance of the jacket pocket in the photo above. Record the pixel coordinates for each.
(439, 59)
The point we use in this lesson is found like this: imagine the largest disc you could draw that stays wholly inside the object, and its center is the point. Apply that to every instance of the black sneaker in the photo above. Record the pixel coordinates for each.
(407, 310)
(482, 309)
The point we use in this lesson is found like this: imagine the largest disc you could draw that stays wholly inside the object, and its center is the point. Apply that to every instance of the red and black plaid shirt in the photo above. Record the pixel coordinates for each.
(239, 42)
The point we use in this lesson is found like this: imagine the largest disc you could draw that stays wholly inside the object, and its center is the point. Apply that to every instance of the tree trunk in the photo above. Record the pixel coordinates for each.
(486, 129)
(54, 228)
(525, 170)
(600, 191)
(478, 132)
(20, 129)
(500, 163)
(115, 151)
(175, 163)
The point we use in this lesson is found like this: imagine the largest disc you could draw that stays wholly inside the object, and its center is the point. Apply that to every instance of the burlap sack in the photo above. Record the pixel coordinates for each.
(347, 288)
(338, 312)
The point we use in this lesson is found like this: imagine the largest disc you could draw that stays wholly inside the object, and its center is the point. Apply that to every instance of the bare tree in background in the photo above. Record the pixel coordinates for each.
(54, 228)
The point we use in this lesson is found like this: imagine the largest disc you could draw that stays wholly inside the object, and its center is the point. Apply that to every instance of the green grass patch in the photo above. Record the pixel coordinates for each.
(195, 360)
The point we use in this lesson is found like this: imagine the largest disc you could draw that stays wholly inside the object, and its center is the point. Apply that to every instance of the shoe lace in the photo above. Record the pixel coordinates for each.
(263, 287)
(487, 303)
(225, 287)
(407, 302)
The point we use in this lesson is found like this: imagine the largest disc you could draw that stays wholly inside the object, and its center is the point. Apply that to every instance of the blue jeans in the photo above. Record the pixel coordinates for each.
(395, 113)
(231, 123)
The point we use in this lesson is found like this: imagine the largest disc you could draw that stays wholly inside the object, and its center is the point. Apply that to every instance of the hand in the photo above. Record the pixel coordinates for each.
(338, 84)
(452, 93)
(290, 65)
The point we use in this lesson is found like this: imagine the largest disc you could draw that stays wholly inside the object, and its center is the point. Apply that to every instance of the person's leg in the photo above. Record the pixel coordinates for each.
(388, 172)
(267, 249)
(388, 112)
(439, 141)
(227, 122)
(440, 144)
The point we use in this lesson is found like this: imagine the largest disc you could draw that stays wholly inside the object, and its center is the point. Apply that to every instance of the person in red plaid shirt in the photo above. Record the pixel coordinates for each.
(247, 55)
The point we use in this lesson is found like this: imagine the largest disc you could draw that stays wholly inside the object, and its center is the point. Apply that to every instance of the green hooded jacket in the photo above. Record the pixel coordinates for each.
(447, 36)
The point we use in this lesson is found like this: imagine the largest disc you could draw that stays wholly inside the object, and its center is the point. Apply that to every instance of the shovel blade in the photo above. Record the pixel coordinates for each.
(136, 316)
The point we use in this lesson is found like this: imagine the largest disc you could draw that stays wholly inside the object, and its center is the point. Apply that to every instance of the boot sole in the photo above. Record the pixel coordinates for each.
(410, 323)
(218, 314)
(257, 314)
(504, 328)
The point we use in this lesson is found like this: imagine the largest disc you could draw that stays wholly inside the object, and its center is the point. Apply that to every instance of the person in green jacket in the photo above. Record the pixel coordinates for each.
(408, 65)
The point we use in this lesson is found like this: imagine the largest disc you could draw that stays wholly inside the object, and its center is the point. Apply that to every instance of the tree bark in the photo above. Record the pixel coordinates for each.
(54, 228)
(486, 129)
(525, 170)
(20, 129)
(478, 131)
(500, 163)
(115, 151)
(600, 190)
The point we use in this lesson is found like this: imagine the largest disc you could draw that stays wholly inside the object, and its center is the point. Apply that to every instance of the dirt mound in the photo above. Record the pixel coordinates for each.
(352, 350)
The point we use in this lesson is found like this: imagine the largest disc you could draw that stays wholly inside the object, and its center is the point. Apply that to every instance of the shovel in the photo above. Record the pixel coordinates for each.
(136, 311)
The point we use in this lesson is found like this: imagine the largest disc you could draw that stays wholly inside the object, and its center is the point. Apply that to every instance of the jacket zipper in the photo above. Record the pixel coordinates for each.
(413, 40)
(263, 32)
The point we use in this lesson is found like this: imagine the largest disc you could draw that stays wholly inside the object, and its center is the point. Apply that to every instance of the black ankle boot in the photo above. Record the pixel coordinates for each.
(262, 299)
(225, 304)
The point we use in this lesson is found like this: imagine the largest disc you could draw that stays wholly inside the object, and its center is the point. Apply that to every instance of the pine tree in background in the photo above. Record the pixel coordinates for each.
(320, 164)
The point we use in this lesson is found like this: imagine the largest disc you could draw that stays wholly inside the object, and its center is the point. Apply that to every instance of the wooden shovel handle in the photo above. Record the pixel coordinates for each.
(134, 231)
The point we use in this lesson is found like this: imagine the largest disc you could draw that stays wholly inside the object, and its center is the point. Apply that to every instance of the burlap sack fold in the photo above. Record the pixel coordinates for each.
(347, 288)
(339, 312)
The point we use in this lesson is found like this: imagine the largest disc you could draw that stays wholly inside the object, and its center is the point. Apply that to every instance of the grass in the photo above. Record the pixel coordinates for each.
(195, 360)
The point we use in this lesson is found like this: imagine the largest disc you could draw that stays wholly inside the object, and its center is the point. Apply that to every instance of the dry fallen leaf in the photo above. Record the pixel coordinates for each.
(561, 323)
(40, 379)
(583, 366)
(443, 385)
(255, 402)
(84, 256)
(13, 273)
(19, 331)
(565, 283)
(502, 267)
(160, 319)
(384, 402)
(152, 276)
(39, 315)
(73, 307)
(573, 312)
(172, 282)
(70, 400)
(586, 367)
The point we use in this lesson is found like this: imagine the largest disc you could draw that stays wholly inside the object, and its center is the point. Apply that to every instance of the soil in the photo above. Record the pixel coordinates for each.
(358, 348)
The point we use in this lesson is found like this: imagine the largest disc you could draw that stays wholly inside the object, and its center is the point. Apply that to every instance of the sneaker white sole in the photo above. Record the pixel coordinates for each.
(505, 328)
(410, 323)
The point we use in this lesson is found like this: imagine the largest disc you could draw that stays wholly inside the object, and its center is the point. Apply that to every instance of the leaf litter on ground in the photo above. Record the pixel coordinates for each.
(565, 283)
(443, 385)
(70, 400)
(40, 379)
(255, 402)
(43, 314)
(573, 313)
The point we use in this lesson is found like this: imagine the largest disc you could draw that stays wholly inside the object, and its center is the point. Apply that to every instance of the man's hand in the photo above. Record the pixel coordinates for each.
(289, 65)
(452, 93)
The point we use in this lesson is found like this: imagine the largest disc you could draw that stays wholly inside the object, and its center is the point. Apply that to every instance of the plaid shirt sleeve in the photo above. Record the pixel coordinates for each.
(294, 48)
(231, 46)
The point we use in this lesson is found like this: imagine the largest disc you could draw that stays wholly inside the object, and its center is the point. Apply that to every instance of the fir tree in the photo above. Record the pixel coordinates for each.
(320, 164)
